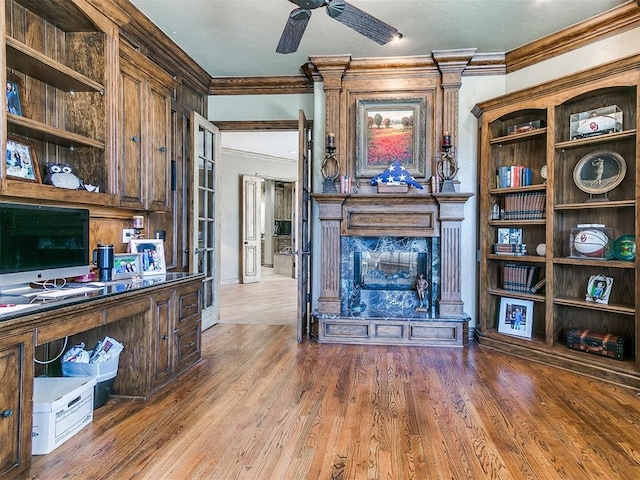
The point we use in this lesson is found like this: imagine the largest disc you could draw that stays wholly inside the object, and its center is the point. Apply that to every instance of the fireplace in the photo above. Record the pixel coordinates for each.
(373, 249)
(378, 276)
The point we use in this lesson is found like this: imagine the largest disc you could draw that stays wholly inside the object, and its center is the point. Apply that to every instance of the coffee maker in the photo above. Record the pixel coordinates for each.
(103, 259)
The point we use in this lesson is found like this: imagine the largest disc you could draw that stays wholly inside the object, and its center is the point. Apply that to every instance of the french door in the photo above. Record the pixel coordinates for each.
(205, 225)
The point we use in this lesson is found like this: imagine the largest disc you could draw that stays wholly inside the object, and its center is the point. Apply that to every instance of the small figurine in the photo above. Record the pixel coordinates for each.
(421, 286)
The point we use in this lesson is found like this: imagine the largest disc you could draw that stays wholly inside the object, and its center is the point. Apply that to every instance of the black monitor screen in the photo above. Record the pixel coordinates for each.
(36, 237)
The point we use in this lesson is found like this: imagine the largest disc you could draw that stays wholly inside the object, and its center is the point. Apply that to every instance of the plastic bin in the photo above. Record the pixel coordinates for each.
(104, 373)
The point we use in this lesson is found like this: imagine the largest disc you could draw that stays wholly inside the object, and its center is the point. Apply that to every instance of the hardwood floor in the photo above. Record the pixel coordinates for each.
(260, 406)
(273, 301)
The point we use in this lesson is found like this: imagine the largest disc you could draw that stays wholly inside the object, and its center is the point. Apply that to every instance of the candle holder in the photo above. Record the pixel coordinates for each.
(330, 169)
(138, 226)
(447, 166)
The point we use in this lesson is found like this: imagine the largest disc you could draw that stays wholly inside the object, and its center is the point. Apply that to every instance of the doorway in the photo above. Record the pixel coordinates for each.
(272, 157)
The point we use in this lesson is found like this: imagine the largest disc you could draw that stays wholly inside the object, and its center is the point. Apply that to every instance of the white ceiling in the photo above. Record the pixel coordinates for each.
(237, 38)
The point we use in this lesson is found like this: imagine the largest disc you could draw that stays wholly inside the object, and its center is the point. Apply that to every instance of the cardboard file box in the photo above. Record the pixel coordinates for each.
(61, 407)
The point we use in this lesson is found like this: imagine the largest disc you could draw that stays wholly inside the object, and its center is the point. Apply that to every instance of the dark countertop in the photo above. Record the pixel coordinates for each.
(28, 297)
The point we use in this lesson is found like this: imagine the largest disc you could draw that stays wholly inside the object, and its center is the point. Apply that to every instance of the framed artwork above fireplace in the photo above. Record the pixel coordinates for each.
(390, 129)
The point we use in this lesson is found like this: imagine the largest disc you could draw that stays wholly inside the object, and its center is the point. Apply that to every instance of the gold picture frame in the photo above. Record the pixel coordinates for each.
(21, 162)
(390, 129)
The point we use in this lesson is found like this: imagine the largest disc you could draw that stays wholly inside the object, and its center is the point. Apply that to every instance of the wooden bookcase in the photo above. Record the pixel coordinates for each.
(561, 304)
(62, 54)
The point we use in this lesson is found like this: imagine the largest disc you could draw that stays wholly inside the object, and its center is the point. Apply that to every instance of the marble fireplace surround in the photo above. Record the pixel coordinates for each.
(434, 218)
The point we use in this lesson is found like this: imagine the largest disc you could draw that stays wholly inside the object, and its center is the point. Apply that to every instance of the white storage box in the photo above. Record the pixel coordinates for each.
(61, 407)
(101, 371)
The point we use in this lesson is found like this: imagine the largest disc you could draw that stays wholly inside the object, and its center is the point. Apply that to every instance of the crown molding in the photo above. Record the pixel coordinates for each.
(611, 22)
(292, 84)
(250, 125)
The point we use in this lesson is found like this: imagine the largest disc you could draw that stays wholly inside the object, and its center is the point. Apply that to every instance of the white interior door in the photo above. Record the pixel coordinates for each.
(205, 227)
(251, 229)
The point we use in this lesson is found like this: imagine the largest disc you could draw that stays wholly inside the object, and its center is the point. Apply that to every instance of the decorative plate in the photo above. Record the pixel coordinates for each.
(599, 172)
(624, 248)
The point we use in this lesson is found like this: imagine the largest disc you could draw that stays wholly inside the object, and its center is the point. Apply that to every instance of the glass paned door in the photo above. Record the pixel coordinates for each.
(205, 257)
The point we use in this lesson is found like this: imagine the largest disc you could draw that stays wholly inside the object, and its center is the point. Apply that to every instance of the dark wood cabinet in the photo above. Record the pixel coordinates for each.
(159, 326)
(145, 167)
(555, 145)
(16, 404)
(161, 338)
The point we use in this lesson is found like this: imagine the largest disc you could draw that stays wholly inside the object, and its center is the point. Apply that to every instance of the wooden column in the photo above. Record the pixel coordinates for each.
(330, 214)
(451, 216)
(451, 64)
(332, 69)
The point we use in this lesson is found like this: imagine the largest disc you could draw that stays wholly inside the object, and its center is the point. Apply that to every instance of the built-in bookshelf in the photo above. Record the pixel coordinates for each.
(541, 193)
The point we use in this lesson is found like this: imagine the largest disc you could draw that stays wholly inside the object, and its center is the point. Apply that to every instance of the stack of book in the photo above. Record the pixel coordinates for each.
(521, 278)
(513, 176)
(525, 206)
(510, 242)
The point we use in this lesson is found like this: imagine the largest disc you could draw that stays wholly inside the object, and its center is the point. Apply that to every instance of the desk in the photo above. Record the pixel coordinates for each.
(158, 320)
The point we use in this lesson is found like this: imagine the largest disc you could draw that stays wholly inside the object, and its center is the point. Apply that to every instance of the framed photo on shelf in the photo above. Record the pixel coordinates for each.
(14, 102)
(509, 235)
(599, 172)
(126, 265)
(387, 130)
(152, 255)
(516, 317)
(21, 161)
(599, 289)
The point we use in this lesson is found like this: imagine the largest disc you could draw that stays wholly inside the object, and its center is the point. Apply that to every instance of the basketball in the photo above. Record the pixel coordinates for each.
(591, 243)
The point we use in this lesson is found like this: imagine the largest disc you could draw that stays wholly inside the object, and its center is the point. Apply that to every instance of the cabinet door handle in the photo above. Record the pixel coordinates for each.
(165, 337)
(7, 413)
(191, 344)
(135, 138)
(162, 149)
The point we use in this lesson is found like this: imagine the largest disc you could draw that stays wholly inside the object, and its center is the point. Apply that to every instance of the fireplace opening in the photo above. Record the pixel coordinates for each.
(378, 276)
(394, 270)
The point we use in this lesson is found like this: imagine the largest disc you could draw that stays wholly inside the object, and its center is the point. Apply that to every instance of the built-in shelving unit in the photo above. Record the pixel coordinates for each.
(562, 304)
(61, 55)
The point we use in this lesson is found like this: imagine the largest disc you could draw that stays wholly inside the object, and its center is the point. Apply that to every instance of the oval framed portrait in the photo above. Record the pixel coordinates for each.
(599, 172)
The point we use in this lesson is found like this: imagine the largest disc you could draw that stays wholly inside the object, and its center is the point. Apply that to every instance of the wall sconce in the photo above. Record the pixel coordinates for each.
(138, 225)
(447, 166)
(330, 166)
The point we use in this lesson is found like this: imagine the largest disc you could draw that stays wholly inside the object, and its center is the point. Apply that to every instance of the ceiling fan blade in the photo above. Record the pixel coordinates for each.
(293, 30)
(363, 23)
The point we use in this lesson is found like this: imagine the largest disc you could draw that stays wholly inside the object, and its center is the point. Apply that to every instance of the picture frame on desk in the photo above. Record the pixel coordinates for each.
(515, 317)
(126, 265)
(21, 162)
(390, 129)
(152, 255)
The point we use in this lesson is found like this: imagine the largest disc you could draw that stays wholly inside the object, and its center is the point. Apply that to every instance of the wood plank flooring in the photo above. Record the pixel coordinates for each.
(272, 301)
(260, 406)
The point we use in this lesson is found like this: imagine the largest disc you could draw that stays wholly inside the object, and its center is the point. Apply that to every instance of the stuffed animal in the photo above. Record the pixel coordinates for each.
(61, 175)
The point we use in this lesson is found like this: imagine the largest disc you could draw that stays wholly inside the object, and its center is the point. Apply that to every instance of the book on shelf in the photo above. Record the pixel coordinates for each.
(539, 285)
(525, 206)
(513, 176)
(510, 248)
(519, 278)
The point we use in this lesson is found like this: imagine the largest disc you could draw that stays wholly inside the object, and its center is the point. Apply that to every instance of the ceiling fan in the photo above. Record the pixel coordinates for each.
(344, 12)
